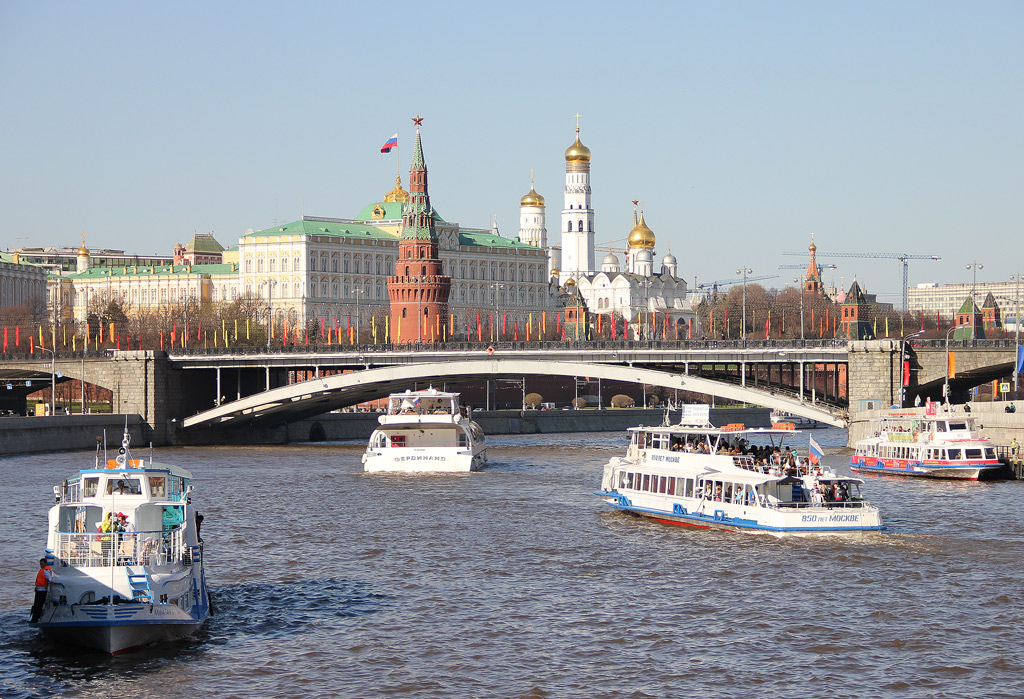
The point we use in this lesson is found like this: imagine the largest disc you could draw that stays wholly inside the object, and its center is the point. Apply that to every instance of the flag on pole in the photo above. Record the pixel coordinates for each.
(389, 144)
(815, 453)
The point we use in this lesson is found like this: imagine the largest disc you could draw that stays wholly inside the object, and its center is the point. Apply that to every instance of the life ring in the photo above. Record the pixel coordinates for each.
(490, 349)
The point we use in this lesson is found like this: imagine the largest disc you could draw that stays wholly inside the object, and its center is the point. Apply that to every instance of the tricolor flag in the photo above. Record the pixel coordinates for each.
(389, 144)
(814, 452)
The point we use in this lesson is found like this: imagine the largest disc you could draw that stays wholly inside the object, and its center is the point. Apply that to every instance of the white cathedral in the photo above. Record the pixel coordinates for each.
(610, 289)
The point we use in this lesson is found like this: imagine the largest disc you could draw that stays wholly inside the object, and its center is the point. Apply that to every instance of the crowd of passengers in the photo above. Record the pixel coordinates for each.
(765, 459)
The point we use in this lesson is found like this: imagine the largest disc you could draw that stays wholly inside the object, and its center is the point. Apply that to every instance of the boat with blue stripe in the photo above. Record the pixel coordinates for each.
(121, 582)
(938, 442)
(733, 478)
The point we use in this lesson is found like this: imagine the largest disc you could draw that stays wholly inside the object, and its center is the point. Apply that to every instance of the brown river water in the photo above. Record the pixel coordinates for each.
(517, 581)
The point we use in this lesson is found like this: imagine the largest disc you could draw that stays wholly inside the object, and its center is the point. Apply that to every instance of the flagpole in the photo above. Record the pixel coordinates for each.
(398, 155)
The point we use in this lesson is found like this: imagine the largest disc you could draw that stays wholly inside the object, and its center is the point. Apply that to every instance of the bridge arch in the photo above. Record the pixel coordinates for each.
(317, 396)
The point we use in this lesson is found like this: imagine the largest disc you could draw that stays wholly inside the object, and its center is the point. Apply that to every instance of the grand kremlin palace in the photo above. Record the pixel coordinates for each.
(326, 268)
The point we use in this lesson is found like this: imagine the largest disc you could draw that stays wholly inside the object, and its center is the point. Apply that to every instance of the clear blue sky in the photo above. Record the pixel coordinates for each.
(744, 126)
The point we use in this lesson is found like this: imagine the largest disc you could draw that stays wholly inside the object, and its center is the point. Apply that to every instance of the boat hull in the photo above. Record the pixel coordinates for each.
(816, 521)
(423, 461)
(896, 467)
(119, 628)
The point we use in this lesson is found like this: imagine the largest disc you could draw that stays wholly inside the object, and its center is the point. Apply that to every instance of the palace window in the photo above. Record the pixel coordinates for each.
(259, 265)
(273, 264)
(570, 226)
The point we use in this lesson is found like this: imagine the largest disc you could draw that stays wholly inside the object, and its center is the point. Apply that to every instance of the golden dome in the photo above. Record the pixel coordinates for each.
(641, 236)
(570, 282)
(397, 194)
(531, 198)
(83, 251)
(554, 272)
(577, 152)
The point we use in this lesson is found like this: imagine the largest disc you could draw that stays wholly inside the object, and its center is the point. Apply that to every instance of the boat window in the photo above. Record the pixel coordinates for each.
(671, 490)
(398, 440)
(954, 454)
(957, 426)
(647, 482)
(172, 516)
(90, 486)
(123, 486)
(158, 486)
(177, 488)
(990, 453)
(663, 485)
(972, 453)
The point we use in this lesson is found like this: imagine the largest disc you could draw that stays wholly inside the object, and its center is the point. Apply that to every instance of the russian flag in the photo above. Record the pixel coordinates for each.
(390, 143)
(815, 454)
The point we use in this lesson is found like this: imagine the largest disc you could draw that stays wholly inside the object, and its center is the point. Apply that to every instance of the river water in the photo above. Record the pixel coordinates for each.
(517, 581)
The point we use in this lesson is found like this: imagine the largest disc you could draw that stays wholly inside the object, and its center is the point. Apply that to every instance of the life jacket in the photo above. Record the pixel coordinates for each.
(41, 580)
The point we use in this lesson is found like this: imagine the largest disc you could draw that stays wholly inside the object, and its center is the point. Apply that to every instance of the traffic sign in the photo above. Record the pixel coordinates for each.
(1004, 388)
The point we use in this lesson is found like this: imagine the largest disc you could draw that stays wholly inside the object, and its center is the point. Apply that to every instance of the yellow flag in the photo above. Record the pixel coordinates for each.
(951, 368)
(373, 327)
(73, 343)
(887, 326)
(246, 328)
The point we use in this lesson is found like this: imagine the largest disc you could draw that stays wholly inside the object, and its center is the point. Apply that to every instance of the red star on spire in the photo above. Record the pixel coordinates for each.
(418, 120)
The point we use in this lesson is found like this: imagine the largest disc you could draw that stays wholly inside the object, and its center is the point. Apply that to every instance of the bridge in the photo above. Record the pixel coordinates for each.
(215, 392)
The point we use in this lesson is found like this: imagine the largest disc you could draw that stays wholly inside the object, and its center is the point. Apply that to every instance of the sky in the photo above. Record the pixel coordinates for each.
(744, 127)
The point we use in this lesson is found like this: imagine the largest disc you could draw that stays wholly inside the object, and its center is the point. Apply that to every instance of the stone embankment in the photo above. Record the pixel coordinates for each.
(19, 435)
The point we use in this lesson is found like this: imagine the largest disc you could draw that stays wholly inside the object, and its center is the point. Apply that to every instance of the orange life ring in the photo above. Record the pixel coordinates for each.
(490, 349)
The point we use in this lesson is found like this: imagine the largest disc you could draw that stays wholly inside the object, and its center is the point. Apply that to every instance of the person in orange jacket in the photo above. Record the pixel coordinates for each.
(43, 578)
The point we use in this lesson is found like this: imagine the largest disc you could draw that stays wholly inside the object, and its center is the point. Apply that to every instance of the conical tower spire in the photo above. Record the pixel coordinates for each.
(418, 217)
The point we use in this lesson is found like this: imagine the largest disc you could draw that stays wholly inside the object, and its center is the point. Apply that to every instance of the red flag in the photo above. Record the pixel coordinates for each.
(504, 317)
(118, 341)
(515, 331)
(199, 331)
(767, 329)
(174, 333)
(5, 338)
(161, 340)
(479, 330)
(307, 336)
(323, 330)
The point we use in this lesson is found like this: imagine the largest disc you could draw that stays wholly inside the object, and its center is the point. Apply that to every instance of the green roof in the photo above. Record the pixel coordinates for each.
(160, 270)
(490, 240)
(968, 306)
(326, 228)
(392, 210)
(204, 242)
(8, 257)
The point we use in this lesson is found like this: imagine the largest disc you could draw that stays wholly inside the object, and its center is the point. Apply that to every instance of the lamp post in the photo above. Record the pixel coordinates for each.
(799, 283)
(419, 309)
(905, 378)
(945, 385)
(743, 331)
(270, 284)
(53, 378)
(1016, 329)
(494, 322)
(974, 285)
(357, 292)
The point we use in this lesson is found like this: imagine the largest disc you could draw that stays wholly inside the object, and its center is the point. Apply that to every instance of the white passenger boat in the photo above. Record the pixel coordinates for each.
(732, 478)
(938, 444)
(798, 421)
(118, 590)
(425, 431)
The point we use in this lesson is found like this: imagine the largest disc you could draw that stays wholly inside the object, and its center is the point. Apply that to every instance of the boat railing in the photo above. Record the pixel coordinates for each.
(838, 504)
(106, 549)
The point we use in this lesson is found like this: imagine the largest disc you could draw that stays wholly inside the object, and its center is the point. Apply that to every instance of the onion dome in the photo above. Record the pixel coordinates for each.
(554, 272)
(610, 259)
(83, 251)
(570, 282)
(577, 152)
(531, 198)
(644, 256)
(669, 260)
(641, 236)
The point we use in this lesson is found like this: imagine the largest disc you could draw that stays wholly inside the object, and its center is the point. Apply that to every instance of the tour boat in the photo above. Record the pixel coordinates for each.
(937, 444)
(425, 431)
(798, 421)
(733, 478)
(118, 590)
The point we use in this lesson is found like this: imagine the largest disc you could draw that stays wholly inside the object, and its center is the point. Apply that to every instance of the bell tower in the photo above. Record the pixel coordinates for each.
(419, 289)
(577, 216)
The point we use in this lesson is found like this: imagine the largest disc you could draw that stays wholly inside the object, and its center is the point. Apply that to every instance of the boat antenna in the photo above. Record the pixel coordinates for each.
(104, 445)
(151, 453)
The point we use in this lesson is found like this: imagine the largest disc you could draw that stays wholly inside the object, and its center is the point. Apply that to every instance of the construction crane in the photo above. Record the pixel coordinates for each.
(820, 267)
(712, 287)
(903, 257)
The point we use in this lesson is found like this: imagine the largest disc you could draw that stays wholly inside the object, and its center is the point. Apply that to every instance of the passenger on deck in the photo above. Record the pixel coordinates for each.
(816, 497)
(718, 493)
(837, 493)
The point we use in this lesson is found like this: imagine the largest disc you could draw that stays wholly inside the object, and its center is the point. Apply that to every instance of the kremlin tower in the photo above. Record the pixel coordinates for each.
(577, 216)
(812, 280)
(419, 290)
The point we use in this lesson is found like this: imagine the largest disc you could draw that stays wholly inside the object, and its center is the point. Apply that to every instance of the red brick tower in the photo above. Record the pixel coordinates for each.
(419, 289)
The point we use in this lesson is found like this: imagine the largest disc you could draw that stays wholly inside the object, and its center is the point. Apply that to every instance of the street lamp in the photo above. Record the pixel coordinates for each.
(945, 385)
(905, 378)
(494, 322)
(974, 266)
(1016, 330)
(799, 283)
(358, 292)
(53, 378)
(743, 331)
(270, 284)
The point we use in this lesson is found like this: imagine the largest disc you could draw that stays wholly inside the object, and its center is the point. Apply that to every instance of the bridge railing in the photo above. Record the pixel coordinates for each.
(940, 343)
(519, 346)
